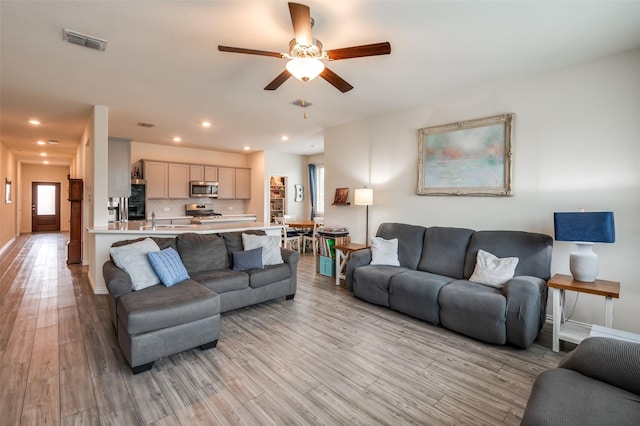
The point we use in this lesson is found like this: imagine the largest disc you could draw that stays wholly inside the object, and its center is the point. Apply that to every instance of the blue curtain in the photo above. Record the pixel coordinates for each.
(312, 189)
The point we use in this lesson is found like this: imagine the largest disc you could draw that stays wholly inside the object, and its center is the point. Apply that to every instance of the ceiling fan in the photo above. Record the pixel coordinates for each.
(306, 54)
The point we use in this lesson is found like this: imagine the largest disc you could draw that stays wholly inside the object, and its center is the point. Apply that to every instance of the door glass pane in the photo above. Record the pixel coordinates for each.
(320, 189)
(46, 199)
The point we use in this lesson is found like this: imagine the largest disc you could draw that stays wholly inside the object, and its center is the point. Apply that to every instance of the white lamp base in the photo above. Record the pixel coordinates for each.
(583, 263)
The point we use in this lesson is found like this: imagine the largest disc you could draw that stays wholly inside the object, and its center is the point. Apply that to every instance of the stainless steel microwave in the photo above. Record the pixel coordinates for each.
(198, 189)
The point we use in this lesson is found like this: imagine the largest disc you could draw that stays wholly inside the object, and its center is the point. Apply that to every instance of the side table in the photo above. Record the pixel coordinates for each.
(343, 253)
(569, 332)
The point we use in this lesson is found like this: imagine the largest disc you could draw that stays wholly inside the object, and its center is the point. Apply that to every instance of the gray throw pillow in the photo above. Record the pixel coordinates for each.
(270, 244)
(247, 260)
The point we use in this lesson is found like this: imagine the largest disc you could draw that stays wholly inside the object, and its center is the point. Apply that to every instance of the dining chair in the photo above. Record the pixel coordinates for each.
(290, 236)
(318, 223)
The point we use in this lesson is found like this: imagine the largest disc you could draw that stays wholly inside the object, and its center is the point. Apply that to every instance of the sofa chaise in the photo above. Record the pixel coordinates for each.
(598, 383)
(432, 282)
(159, 320)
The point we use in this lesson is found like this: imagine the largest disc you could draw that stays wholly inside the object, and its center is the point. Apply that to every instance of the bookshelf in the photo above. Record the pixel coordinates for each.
(326, 246)
(277, 197)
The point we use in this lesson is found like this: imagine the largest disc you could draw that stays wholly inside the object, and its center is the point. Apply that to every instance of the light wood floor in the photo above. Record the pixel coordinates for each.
(323, 358)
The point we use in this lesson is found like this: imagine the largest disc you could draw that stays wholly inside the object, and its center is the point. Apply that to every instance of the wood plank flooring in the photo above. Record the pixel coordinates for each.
(323, 358)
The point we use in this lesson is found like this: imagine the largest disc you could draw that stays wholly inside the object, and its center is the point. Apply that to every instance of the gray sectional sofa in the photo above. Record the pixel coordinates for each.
(432, 281)
(598, 383)
(158, 321)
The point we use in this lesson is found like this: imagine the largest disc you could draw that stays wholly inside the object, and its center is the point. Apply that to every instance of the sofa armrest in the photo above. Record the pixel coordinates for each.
(611, 361)
(357, 259)
(291, 258)
(118, 281)
(526, 309)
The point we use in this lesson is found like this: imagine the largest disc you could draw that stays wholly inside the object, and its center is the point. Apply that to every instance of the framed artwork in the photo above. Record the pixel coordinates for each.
(466, 158)
(341, 196)
(299, 190)
(7, 190)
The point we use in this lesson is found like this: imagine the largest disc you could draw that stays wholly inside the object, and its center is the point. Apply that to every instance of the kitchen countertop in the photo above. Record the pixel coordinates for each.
(144, 228)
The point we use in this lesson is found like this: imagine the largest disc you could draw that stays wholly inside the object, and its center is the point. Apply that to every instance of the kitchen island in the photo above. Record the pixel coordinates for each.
(104, 237)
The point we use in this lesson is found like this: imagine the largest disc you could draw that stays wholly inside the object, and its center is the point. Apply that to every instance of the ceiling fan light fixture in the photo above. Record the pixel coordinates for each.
(305, 69)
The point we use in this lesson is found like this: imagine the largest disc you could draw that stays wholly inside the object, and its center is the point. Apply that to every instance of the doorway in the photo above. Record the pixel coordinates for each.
(45, 206)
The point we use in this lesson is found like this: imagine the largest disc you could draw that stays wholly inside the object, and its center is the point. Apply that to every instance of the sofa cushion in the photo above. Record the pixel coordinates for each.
(202, 252)
(162, 242)
(222, 280)
(159, 307)
(132, 258)
(168, 266)
(410, 239)
(233, 240)
(566, 397)
(533, 250)
(475, 310)
(493, 271)
(270, 274)
(371, 282)
(444, 251)
(416, 293)
(384, 252)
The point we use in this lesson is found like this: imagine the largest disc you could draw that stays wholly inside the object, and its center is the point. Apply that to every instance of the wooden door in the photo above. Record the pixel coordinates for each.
(45, 206)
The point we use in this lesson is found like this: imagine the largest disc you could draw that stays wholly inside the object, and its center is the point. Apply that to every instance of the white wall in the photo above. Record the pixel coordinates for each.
(575, 146)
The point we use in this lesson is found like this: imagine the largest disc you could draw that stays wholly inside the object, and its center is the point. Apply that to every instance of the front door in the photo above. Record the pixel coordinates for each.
(45, 206)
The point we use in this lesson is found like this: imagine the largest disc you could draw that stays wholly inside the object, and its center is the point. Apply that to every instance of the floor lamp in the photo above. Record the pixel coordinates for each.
(364, 197)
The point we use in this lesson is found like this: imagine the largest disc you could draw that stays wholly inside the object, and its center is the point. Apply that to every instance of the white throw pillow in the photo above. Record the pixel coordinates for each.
(132, 259)
(384, 252)
(493, 271)
(270, 247)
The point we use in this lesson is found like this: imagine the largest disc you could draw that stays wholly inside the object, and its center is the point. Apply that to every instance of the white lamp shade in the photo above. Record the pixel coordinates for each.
(305, 69)
(363, 197)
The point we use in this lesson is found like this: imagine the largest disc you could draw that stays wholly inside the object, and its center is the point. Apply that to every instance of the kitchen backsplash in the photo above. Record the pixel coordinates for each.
(166, 208)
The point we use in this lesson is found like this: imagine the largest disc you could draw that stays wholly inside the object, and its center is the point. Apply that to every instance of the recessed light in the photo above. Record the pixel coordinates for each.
(177, 139)
(247, 148)
(41, 143)
(43, 154)
(45, 162)
(206, 124)
(34, 122)
(284, 138)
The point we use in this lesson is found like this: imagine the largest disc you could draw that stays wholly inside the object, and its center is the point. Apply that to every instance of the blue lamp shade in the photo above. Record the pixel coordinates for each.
(588, 227)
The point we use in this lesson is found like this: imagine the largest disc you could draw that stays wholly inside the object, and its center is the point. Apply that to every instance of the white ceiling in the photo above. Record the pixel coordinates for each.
(162, 65)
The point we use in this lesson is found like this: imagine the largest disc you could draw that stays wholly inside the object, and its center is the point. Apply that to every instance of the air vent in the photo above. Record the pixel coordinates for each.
(84, 40)
(141, 124)
(53, 142)
(301, 103)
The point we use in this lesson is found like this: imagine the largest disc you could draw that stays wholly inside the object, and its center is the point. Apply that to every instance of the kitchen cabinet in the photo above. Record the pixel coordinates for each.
(178, 181)
(226, 183)
(203, 173)
(119, 168)
(156, 173)
(243, 184)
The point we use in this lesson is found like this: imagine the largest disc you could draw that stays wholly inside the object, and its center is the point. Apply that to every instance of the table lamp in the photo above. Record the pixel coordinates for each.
(364, 197)
(584, 229)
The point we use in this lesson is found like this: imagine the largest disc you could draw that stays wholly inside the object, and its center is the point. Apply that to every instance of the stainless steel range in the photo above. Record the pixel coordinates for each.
(201, 212)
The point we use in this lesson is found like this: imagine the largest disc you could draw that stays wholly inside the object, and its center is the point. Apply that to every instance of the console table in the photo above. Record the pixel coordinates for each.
(570, 332)
(343, 253)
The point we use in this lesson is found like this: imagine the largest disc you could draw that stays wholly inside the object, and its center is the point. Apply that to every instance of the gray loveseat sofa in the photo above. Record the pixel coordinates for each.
(598, 383)
(432, 283)
(158, 321)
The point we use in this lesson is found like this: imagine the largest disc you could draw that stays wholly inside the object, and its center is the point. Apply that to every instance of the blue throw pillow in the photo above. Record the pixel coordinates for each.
(168, 266)
(248, 259)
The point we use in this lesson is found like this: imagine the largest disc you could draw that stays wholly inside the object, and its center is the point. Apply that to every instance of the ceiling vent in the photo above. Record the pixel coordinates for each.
(84, 40)
(141, 124)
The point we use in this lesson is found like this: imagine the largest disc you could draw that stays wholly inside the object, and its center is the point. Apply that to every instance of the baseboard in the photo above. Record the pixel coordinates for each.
(6, 246)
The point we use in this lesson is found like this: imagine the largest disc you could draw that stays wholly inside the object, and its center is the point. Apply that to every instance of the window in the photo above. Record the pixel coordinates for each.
(319, 189)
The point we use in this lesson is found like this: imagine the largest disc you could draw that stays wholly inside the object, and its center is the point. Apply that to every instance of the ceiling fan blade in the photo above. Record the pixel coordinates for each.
(301, 20)
(335, 80)
(374, 49)
(249, 51)
(277, 82)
